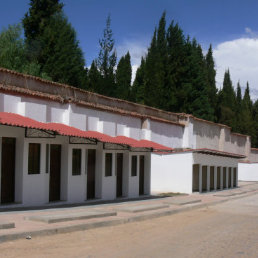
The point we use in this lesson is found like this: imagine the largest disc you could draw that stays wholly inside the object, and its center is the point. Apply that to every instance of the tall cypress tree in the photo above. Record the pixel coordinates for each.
(52, 42)
(107, 61)
(137, 90)
(175, 90)
(211, 83)
(227, 102)
(94, 78)
(155, 67)
(124, 77)
(246, 114)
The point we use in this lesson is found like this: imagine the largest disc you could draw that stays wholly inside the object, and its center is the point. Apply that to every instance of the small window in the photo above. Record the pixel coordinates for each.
(108, 164)
(134, 166)
(47, 158)
(76, 163)
(34, 159)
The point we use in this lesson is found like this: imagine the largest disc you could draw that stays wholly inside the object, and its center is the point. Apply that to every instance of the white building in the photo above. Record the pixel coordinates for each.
(97, 149)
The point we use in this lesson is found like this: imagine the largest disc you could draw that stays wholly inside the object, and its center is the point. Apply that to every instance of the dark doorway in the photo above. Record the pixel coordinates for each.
(55, 172)
(141, 176)
(196, 178)
(218, 178)
(211, 178)
(8, 170)
(229, 177)
(224, 177)
(119, 174)
(91, 164)
(235, 177)
(204, 178)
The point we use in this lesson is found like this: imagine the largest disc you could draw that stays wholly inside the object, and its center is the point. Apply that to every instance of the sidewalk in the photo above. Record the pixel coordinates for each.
(20, 224)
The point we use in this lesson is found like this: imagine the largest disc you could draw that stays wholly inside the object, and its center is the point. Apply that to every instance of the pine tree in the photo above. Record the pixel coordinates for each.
(94, 78)
(52, 43)
(155, 68)
(176, 91)
(124, 77)
(13, 51)
(107, 61)
(34, 23)
(211, 83)
(137, 90)
(246, 113)
(227, 102)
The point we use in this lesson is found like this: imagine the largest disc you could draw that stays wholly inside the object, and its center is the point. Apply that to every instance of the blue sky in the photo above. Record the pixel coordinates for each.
(230, 26)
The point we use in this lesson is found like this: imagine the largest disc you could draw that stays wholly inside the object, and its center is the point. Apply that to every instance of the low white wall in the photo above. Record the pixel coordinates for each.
(248, 171)
(171, 173)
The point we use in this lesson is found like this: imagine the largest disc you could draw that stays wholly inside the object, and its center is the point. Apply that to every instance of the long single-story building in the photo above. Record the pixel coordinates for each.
(60, 143)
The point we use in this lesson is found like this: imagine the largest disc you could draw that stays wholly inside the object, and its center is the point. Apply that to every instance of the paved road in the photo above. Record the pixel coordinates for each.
(226, 230)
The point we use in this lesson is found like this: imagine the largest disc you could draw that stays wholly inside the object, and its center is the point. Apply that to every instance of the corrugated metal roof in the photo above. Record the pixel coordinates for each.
(12, 119)
(20, 121)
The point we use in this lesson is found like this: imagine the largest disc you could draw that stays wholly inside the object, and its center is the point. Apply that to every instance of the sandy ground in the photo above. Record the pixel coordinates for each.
(225, 230)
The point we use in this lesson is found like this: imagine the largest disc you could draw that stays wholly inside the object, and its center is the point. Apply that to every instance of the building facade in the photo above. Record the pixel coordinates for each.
(49, 163)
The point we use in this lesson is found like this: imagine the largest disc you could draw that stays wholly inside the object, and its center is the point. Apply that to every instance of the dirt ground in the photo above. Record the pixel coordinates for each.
(225, 230)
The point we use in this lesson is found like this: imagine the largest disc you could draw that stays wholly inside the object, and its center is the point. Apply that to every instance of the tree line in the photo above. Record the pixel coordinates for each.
(174, 75)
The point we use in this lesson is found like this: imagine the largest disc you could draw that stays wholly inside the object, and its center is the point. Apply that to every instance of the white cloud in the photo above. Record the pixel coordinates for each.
(241, 57)
(137, 49)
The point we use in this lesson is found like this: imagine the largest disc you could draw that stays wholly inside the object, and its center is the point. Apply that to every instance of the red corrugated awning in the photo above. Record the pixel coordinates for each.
(141, 144)
(12, 119)
(155, 146)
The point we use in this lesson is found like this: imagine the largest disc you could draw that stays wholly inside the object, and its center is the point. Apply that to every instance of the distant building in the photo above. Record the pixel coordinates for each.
(60, 143)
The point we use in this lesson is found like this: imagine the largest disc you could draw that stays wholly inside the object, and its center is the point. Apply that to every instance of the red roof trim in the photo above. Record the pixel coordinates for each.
(12, 119)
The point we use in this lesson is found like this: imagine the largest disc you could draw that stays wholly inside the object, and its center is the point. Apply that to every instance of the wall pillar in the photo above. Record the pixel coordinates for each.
(200, 178)
(227, 172)
(215, 178)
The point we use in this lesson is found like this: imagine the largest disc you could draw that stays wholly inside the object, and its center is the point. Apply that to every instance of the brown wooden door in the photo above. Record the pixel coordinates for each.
(55, 172)
(211, 178)
(91, 164)
(141, 176)
(119, 174)
(8, 170)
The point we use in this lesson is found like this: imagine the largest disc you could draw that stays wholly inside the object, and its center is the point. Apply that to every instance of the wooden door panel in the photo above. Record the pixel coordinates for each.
(55, 172)
(119, 174)
(8, 170)
(141, 176)
(91, 165)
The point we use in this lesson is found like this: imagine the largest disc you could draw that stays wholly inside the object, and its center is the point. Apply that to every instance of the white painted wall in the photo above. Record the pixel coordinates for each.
(171, 173)
(248, 171)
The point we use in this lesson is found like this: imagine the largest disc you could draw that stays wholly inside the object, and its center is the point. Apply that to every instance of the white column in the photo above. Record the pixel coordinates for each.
(227, 172)
(200, 178)
(215, 178)
(208, 178)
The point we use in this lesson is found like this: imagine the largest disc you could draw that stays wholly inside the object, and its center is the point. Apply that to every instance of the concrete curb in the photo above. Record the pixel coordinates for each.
(99, 224)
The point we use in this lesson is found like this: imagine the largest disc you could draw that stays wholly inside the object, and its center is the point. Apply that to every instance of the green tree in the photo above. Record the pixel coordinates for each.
(13, 52)
(107, 61)
(124, 77)
(94, 78)
(227, 102)
(137, 90)
(211, 83)
(247, 124)
(52, 43)
(63, 58)
(155, 73)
